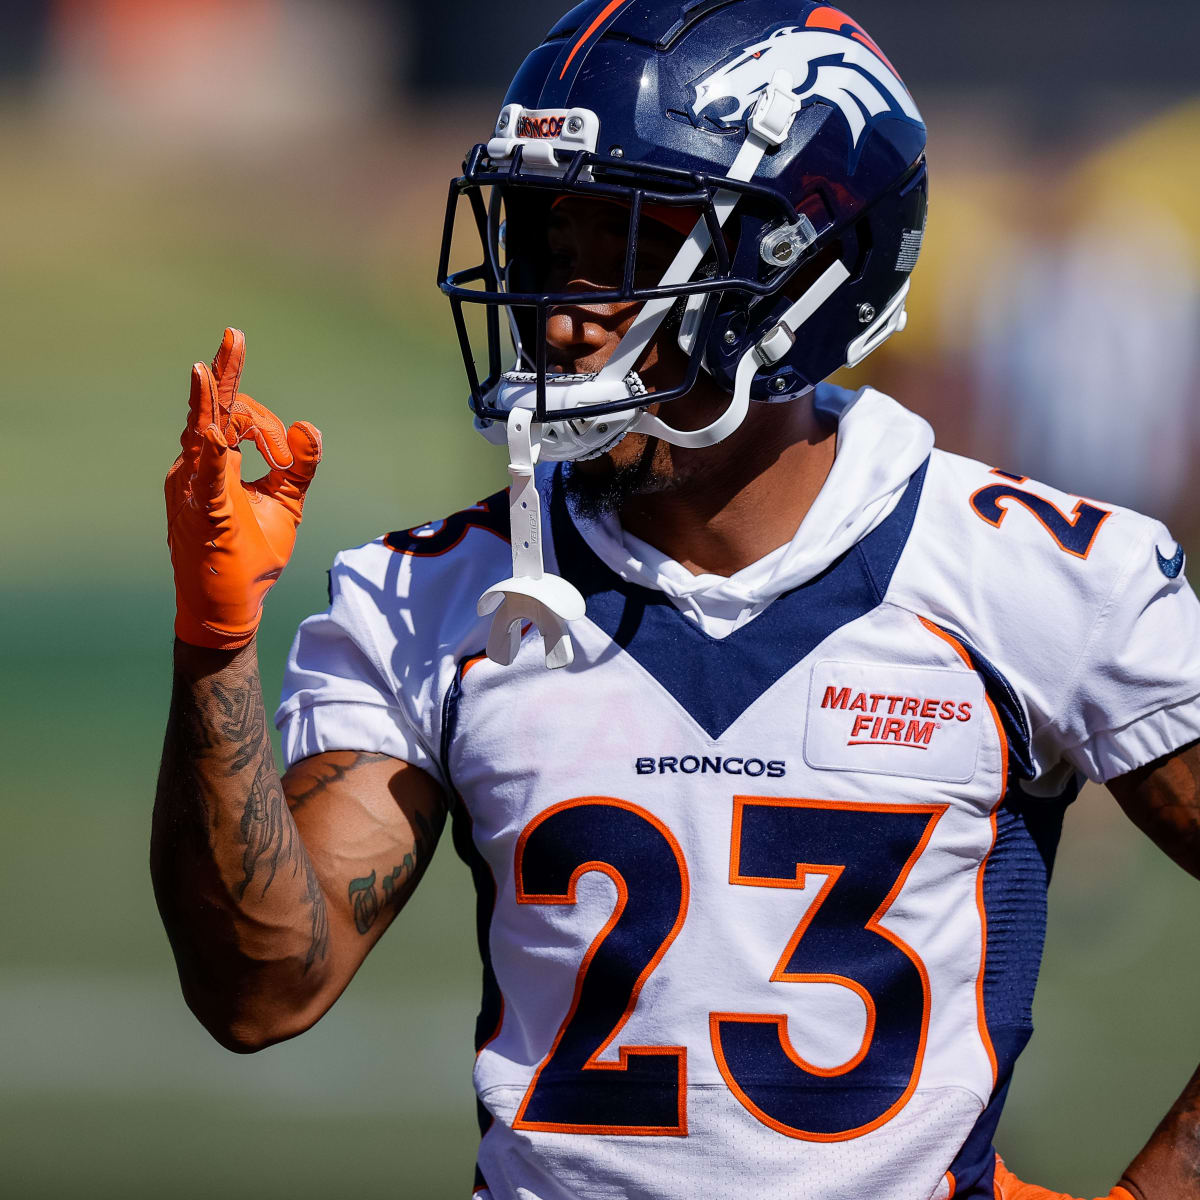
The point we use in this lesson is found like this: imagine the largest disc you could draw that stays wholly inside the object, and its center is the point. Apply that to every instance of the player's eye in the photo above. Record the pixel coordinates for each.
(560, 266)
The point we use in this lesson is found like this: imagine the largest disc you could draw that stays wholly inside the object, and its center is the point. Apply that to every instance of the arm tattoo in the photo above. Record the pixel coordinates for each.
(365, 901)
(398, 883)
(270, 837)
(325, 774)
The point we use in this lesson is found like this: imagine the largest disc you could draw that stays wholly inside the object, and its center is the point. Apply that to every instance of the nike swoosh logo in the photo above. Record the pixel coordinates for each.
(1170, 567)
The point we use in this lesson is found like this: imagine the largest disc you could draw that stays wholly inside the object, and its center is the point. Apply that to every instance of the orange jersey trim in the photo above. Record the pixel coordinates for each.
(984, 1033)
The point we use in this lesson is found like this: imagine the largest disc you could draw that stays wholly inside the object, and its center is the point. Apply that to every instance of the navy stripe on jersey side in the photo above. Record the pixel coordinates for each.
(716, 679)
(450, 722)
(1015, 882)
(1009, 708)
(491, 1005)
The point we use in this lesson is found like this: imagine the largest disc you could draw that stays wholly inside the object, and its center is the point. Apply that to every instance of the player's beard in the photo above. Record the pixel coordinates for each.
(600, 488)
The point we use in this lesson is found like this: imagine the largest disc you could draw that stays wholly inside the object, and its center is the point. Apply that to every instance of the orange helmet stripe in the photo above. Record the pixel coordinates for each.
(606, 12)
(831, 18)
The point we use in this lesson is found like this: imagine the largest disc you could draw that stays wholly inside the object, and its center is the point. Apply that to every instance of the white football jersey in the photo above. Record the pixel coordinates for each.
(763, 912)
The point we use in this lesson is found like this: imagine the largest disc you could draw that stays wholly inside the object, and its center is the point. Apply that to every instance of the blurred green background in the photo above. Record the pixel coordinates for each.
(139, 214)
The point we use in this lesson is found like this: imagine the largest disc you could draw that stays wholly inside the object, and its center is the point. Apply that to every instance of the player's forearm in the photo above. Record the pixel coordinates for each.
(1169, 1167)
(238, 894)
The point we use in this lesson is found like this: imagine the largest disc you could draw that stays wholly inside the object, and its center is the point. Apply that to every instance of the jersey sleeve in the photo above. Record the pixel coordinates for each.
(1092, 641)
(339, 690)
(1135, 692)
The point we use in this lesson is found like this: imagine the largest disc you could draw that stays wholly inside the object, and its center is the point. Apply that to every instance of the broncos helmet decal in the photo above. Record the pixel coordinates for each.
(830, 66)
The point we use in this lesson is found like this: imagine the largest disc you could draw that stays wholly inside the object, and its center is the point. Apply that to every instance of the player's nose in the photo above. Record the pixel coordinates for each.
(577, 331)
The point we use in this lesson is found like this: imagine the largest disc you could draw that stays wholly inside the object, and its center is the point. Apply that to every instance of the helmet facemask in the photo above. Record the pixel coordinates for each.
(721, 269)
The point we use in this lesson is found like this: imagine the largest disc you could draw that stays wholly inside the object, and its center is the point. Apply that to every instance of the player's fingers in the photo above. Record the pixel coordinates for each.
(189, 439)
(289, 484)
(202, 406)
(304, 440)
(248, 418)
(207, 409)
(227, 366)
(195, 400)
(210, 483)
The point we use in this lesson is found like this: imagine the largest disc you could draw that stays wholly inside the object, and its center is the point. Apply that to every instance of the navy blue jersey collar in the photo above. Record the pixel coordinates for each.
(718, 679)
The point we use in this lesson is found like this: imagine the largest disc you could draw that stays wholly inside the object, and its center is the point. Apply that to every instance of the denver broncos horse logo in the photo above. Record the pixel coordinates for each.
(830, 58)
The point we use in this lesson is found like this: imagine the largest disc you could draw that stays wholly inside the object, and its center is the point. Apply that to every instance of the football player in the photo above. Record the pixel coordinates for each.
(754, 714)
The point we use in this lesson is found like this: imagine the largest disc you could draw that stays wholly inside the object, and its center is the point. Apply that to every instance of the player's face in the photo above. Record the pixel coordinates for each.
(588, 241)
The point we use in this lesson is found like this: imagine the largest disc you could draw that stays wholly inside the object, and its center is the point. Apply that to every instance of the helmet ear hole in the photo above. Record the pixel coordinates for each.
(784, 246)
(747, 320)
(764, 313)
(813, 269)
(860, 243)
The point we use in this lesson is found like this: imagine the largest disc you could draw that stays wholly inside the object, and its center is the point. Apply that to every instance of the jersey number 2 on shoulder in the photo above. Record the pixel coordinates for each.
(864, 852)
(1075, 534)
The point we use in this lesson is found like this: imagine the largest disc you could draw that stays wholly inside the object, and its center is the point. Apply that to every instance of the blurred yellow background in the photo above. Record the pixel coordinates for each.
(170, 168)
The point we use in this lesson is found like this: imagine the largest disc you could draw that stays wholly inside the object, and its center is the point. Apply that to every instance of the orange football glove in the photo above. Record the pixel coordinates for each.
(231, 540)
(1009, 1187)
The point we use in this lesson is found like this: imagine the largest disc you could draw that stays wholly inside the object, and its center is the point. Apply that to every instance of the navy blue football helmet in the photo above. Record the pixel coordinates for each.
(773, 134)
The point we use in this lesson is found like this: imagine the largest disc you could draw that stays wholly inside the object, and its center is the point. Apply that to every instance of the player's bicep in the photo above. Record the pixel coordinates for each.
(370, 824)
(1163, 800)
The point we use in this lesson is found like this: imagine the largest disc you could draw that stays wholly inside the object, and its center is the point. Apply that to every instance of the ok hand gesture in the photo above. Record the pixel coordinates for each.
(230, 540)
